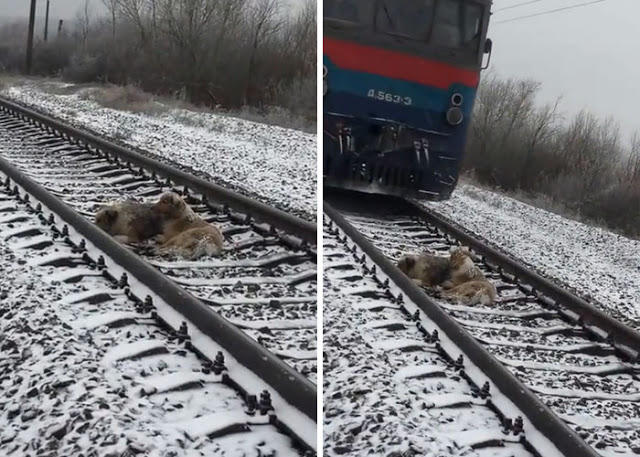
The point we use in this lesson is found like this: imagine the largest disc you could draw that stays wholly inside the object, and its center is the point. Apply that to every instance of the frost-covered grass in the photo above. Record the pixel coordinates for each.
(597, 264)
(133, 99)
(273, 164)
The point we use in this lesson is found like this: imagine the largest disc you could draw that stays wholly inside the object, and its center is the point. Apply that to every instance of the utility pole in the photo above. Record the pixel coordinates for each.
(32, 20)
(46, 22)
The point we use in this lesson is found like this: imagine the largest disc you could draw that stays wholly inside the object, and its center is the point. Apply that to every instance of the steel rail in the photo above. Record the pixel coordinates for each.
(291, 385)
(539, 414)
(621, 336)
(305, 230)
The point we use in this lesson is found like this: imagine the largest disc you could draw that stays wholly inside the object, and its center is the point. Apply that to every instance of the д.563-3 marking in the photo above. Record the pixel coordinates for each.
(387, 97)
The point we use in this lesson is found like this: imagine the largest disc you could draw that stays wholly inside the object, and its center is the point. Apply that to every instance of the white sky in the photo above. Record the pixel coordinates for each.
(588, 55)
(58, 9)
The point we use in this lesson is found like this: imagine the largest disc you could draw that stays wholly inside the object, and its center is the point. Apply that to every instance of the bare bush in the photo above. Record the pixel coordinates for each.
(582, 165)
(129, 98)
(12, 50)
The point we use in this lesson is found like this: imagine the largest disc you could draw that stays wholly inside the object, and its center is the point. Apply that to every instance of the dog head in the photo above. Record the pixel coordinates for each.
(106, 217)
(407, 263)
(459, 257)
(170, 205)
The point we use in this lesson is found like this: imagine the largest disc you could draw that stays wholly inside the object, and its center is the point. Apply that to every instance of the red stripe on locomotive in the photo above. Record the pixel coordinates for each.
(393, 64)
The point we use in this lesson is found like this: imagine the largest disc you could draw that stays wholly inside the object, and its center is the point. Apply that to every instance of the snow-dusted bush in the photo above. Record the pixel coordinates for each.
(518, 145)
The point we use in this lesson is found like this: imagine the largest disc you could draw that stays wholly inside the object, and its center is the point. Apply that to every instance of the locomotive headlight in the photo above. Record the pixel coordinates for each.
(457, 99)
(454, 116)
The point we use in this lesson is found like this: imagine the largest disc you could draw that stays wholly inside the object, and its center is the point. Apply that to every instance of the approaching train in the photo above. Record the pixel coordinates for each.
(400, 78)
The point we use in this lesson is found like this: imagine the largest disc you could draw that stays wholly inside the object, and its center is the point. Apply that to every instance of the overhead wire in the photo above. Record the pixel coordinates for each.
(518, 5)
(549, 12)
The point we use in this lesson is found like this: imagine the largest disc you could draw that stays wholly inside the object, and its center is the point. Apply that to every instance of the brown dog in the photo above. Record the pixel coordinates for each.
(467, 284)
(473, 292)
(426, 270)
(462, 268)
(129, 221)
(183, 231)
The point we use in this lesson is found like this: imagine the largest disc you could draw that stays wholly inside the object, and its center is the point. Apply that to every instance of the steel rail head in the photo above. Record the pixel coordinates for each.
(291, 385)
(625, 338)
(539, 414)
(305, 230)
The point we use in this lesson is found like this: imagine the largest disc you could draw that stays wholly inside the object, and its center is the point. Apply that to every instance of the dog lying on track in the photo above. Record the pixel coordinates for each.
(455, 277)
(462, 268)
(183, 231)
(467, 284)
(425, 270)
(129, 221)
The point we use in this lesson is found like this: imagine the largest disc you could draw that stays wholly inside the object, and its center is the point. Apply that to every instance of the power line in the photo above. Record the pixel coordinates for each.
(518, 5)
(550, 11)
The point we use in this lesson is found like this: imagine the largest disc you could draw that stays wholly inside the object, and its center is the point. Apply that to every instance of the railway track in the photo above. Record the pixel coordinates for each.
(389, 388)
(264, 285)
(579, 366)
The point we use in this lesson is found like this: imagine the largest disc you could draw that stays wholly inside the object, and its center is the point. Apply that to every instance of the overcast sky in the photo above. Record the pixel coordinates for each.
(58, 9)
(586, 54)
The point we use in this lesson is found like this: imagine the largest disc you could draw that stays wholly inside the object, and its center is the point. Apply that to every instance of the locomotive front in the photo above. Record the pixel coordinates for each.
(400, 78)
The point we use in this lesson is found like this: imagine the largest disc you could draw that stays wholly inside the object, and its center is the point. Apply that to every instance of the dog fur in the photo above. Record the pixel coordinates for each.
(425, 270)
(467, 284)
(183, 231)
(472, 293)
(129, 221)
(193, 243)
(462, 268)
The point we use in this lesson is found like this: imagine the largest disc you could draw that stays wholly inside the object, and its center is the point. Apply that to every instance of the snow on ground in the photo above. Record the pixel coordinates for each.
(63, 394)
(274, 164)
(598, 265)
(41, 356)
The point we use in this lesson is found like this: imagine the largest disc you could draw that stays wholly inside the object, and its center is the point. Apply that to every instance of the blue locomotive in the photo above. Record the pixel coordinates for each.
(400, 78)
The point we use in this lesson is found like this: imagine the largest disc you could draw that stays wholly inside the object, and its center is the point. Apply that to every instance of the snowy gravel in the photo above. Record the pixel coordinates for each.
(598, 265)
(64, 388)
(274, 164)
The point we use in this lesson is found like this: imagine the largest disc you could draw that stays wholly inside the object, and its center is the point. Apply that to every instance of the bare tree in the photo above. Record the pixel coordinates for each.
(264, 22)
(112, 8)
(134, 11)
(83, 19)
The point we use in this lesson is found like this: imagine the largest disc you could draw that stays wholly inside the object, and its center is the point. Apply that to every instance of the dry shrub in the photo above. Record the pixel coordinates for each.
(580, 165)
(124, 98)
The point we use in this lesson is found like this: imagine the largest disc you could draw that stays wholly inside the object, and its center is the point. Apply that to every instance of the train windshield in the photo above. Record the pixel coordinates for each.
(458, 24)
(446, 23)
(406, 18)
(454, 25)
(351, 12)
